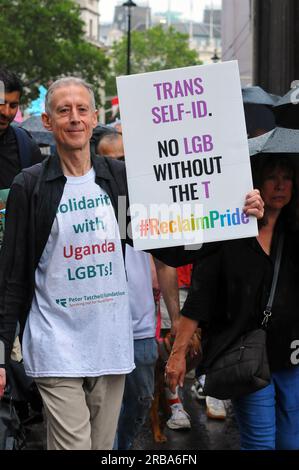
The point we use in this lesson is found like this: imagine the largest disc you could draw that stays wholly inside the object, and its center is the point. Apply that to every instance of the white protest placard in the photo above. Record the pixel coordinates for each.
(186, 155)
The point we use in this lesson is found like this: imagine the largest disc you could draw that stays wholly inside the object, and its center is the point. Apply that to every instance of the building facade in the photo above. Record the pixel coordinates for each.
(204, 37)
(140, 18)
(276, 44)
(237, 36)
(90, 15)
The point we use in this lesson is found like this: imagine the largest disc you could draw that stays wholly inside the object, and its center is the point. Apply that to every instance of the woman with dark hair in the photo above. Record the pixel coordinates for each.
(229, 292)
(267, 163)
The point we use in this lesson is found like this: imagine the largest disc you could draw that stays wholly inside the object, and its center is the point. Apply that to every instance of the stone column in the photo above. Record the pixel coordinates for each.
(276, 44)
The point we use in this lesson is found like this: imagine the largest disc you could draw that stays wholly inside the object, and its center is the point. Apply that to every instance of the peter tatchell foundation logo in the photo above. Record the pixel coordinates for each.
(62, 302)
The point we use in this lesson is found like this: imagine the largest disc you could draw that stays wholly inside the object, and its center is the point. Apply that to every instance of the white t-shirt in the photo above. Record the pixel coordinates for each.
(79, 324)
(141, 297)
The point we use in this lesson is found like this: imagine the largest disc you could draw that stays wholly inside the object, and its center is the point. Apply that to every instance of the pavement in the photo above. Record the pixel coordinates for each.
(205, 433)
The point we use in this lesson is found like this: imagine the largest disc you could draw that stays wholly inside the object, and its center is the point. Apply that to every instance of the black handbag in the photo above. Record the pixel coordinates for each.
(243, 367)
(12, 433)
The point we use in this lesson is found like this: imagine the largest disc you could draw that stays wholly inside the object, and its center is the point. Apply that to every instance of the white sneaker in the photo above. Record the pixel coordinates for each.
(179, 419)
(215, 408)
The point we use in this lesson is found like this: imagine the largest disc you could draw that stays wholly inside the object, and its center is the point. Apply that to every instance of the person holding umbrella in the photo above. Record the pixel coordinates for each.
(286, 109)
(258, 105)
(229, 292)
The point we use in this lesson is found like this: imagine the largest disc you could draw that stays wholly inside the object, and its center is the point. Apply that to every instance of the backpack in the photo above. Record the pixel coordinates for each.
(25, 144)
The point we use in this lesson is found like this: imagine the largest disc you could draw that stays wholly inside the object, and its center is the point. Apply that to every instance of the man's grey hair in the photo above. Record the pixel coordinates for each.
(66, 81)
(108, 139)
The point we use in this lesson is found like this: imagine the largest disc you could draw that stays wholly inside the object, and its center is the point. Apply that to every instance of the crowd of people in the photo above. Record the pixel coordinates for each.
(88, 326)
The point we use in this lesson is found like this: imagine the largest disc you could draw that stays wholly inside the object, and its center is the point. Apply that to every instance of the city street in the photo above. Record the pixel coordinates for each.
(205, 434)
(149, 229)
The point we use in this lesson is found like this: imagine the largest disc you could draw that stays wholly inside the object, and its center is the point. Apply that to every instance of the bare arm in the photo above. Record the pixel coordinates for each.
(168, 281)
(155, 282)
(176, 366)
(2, 381)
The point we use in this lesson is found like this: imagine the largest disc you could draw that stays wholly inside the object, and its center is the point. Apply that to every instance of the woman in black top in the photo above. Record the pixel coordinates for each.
(229, 292)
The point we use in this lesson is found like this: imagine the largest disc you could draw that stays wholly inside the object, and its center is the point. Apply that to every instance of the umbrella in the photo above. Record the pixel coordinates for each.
(275, 98)
(286, 109)
(35, 126)
(258, 106)
(256, 95)
(259, 119)
(279, 140)
(291, 97)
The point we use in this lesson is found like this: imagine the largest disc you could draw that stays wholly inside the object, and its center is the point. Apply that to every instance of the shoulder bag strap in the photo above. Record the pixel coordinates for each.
(268, 309)
(24, 146)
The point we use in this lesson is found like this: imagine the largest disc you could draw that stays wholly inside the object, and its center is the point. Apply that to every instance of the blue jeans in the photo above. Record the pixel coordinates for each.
(138, 394)
(269, 418)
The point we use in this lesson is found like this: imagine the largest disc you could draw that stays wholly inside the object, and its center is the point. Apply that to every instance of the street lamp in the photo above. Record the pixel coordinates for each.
(129, 4)
(215, 57)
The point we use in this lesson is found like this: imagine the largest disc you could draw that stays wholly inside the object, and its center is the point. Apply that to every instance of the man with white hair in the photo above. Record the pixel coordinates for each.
(63, 277)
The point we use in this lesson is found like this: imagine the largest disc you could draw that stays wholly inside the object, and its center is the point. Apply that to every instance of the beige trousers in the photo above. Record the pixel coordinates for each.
(82, 413)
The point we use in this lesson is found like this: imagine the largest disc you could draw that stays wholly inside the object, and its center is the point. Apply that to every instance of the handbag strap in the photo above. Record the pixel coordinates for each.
(268, 309)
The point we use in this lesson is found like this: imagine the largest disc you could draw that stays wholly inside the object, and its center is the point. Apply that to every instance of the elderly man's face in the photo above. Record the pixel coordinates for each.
(72, 117)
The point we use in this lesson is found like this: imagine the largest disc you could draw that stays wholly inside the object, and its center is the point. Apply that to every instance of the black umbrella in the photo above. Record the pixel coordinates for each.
(286, 109)
(275, 98)
(35, 126)
(258, 106)
(279, 140)
(256, 95)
